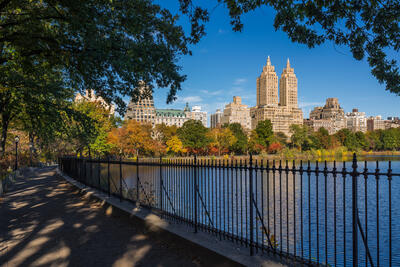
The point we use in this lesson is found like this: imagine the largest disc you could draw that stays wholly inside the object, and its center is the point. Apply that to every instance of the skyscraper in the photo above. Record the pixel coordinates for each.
(267, 86)
(281, 114)
(288, 87)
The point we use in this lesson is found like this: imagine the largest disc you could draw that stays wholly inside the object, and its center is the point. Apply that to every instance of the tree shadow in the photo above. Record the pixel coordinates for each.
(45, 221)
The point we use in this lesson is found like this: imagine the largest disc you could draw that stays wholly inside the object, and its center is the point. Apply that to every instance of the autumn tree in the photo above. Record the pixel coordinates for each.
(222, 139)
(240, 146)
(175, 145)
(133, 138)
(163, 132)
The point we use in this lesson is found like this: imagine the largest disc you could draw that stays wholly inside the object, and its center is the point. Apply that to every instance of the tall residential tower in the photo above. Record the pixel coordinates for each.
(281, 114)
(267, 86)
(288, 87)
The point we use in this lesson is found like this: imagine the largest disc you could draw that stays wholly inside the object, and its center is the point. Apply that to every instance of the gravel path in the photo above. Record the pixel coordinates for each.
(44, 221)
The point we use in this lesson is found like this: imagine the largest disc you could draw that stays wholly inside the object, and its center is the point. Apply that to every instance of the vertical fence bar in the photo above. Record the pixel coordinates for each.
(120, 178)
(390, 212)
(366, 210)
(251, 204)
(377, 213)
(354, 210)
(317, 206)
(99, 173)
(161, 185)
(137, 181)
(195, 193)
(108, 176)
(326, 212)
(334, 212)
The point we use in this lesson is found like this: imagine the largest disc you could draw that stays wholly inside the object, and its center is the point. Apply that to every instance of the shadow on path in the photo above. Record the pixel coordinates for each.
(44, 221)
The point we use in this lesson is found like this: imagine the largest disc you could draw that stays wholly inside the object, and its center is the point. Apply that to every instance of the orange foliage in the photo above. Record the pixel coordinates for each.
(274, 148)
(134, 138)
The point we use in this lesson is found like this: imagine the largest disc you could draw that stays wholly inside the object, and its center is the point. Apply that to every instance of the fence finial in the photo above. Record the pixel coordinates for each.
(354, 161)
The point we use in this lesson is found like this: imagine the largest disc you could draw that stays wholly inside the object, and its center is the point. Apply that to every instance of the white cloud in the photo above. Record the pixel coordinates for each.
(207, 92)
(190, 99)
(239, 81)
(310, 104)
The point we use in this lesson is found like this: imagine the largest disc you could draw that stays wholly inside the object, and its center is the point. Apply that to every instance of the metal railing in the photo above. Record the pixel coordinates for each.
(314, 213)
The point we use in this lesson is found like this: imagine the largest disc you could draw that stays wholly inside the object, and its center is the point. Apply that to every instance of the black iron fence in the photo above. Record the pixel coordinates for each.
(315, 213)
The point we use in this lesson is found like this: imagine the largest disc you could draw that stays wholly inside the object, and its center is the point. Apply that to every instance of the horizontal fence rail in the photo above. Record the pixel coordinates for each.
(311, 212)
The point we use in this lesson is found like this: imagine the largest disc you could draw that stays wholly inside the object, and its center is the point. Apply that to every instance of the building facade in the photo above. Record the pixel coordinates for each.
(170, 117)
(215, 119)
(196, 114)
(375, 123)
(331, 110)
(331, 125)
(356, 121)
(236, 112)
(331, 117)
(281, 114)
(142, 110)
(92, 97)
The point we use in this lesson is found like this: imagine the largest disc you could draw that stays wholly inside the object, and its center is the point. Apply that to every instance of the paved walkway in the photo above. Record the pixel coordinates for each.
(45, 222)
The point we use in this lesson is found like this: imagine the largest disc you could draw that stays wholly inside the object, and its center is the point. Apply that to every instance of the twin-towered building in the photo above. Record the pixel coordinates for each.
(282, 111)
(276, 101)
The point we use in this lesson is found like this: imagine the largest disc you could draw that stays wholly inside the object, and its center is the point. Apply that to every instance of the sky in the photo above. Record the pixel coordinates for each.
(226, 64)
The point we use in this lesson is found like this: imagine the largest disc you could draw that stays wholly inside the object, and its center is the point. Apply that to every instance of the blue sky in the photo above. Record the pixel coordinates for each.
(226, 63)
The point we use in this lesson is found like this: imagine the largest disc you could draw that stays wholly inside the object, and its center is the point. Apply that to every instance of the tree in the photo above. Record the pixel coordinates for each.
(274, 148)
(281, 138)
(174, 144)
(253, 145)
(88, 127)
(299, 135)
(193, 136)
(391, 139)
(132, 138)
(240, 146)
(324, 140)
(264, 132)
(222, 139)
(368, 28)
(163, 133)
(33, 99)
(108, 46)
(374, 140)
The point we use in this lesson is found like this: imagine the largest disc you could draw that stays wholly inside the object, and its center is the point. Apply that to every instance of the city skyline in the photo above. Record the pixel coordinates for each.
(250, 98)
(225, 64)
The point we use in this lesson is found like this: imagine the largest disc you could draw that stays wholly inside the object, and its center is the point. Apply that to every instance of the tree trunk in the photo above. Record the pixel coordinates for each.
(4, 129)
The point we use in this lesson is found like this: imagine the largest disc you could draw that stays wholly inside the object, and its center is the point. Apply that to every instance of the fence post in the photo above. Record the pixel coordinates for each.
(137, 181)
(354, 210)
(161, 185)
(99, 173)
(108, 176)
(195, 192)
(120, 178)
(251, 204)
(85, 171)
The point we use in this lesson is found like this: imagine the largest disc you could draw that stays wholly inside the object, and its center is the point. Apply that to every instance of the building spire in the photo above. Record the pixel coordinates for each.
(288, 64)
(268, 61)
